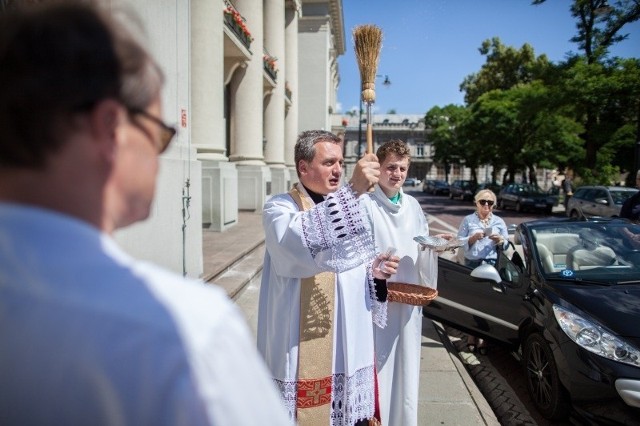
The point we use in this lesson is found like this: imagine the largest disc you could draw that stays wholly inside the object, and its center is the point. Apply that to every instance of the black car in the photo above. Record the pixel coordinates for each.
(491, 186)
(566, 299)
(522, 196)
(435, 187)
(462, 189)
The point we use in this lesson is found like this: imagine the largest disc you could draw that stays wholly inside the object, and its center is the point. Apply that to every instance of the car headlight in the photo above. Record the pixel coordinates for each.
(594, 338)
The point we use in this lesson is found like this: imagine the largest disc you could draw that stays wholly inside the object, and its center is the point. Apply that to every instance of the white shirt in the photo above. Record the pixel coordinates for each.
(484, 248)
(89, 335)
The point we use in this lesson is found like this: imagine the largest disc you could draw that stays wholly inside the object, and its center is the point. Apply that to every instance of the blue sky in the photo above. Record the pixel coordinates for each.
(430, 46)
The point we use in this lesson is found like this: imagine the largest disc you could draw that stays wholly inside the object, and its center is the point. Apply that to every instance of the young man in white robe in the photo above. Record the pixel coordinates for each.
(396, 218)
(317, 298)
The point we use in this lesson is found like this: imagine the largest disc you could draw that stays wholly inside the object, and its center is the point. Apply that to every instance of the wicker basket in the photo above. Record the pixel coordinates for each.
(411, 294)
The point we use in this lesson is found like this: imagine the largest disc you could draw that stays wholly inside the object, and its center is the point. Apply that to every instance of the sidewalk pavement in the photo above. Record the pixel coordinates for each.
(448, 395)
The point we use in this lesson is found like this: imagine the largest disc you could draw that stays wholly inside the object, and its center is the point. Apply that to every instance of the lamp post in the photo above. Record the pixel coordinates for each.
(386, 83)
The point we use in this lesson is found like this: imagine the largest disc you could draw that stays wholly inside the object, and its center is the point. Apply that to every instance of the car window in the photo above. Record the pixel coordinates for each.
(600, 193)
(589, 195)
(619, 197)
(596, 252)
(580, 193)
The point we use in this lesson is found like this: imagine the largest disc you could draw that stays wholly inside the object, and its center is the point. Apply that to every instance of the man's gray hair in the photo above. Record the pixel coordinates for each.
(305, 146)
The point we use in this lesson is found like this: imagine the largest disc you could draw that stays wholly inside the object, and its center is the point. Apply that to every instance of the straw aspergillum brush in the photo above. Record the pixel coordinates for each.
(367, 41)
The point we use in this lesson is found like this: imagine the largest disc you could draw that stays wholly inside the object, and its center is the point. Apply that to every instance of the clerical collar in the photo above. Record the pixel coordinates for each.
(396, 198)
(317, 198)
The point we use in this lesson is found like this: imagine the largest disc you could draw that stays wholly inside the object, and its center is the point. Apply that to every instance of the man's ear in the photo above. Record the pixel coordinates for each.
(105, 119)
(303, 167)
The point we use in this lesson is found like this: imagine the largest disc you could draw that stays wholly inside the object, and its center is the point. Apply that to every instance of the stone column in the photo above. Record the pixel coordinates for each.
(274, 102)
(219, 177)
(246, 115)
(291, 77)
(207, 80)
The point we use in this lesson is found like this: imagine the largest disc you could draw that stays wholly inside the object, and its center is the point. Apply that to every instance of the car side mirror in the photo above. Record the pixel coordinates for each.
(486, 272)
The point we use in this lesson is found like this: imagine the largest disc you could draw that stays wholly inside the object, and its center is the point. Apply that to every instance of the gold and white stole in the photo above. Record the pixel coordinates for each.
(315, 351)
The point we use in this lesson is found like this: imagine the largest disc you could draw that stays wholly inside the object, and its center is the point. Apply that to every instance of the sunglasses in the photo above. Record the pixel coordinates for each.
(167, 132)
(485, 202)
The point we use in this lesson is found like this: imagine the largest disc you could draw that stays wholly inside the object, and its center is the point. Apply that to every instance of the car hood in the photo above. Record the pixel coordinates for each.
(616, 307)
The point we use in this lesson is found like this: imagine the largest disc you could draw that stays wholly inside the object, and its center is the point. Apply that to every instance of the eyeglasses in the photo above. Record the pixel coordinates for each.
(485, 202)
(167, 132)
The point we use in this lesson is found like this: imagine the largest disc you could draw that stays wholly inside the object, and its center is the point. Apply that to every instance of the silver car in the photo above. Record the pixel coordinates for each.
(603, 201)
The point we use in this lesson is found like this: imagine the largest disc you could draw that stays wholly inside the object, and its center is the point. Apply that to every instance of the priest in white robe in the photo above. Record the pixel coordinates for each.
(396, 218)
(317, 299)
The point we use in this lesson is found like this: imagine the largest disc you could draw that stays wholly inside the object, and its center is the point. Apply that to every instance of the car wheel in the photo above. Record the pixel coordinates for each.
(543, 382)
(500, 204)
(518, 207)
(450, 196)
(549, 210)
(574, 214)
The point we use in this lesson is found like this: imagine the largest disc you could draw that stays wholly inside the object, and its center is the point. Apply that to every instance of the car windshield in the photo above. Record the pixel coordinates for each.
(619, 196)
(529, 190)
(595, 252)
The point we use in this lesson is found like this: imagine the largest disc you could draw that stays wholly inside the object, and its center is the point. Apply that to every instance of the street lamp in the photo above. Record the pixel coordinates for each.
(386, 83)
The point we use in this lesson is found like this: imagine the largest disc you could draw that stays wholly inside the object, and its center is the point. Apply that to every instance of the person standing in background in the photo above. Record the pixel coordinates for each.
(89, 335)
(631, 206)
(567, 187)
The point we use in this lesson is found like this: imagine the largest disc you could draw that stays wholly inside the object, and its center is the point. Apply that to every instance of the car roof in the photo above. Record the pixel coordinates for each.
(610, 188)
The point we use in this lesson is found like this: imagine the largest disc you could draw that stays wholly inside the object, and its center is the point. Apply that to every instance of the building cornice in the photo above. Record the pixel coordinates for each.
(336, 20)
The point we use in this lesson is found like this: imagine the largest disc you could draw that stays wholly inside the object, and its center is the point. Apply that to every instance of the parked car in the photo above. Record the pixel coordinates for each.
(605, 201)
(411, 181)
(522, 197)
(488, 185)
(462, 189)
(566, 299)
(435, 187)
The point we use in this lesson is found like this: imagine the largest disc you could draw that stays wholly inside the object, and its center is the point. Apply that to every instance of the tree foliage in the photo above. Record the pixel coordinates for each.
(524, 112)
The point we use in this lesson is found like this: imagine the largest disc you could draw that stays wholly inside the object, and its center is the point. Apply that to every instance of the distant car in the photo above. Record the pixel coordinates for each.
(435, 187)
(411, 181)
(491, 186)
(462, 189)
(522, 196)
(604, 201)
(566, 299)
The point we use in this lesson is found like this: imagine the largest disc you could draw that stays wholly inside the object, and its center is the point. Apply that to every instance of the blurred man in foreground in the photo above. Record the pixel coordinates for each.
(89, 335)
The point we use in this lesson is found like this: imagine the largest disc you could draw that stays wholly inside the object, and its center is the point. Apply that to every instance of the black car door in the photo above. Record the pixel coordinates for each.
(479, 306)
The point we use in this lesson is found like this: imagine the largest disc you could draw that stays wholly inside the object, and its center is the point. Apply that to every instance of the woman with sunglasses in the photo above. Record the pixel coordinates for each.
(483, 232)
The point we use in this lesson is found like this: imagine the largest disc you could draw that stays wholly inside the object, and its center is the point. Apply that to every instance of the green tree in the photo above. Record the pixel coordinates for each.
(599, 26)
(444, 126)
(519, 131)
(504, 67)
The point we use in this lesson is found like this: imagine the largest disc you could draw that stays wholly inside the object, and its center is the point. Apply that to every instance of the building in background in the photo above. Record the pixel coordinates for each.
(243, 79)
(408, 128)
